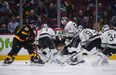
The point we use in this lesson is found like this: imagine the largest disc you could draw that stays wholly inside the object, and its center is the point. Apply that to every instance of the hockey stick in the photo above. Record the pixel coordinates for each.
(77, 63)
(69, 58)
(47, 57)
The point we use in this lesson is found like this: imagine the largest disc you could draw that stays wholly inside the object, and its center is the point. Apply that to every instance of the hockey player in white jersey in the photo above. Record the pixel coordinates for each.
(88, 39)
(45, 36)
(71, 49)
(69, 30)
(109, 45)
(104, 28)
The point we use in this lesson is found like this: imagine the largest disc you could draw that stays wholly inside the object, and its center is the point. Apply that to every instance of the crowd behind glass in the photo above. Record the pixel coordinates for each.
(82, 12)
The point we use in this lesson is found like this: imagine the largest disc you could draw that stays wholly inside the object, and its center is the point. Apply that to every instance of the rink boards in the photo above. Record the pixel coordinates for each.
(27, 57)
(6, 44)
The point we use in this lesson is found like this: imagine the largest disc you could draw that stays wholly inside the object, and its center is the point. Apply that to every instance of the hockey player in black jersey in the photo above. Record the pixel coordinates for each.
(24, 37)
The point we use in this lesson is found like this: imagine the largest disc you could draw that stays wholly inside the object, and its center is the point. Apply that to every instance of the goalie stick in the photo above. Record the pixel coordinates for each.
(68, 58)
(57, 61)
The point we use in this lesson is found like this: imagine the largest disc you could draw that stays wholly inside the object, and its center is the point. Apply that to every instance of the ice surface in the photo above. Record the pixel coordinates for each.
(24, 68)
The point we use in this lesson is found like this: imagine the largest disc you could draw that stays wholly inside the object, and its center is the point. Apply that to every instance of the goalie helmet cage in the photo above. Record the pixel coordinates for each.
(58, 32)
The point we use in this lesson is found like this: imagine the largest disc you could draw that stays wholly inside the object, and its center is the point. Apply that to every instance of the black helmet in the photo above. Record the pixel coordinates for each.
(33, 23)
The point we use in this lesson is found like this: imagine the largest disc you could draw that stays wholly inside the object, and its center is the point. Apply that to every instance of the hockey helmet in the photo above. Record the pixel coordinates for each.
(79, 29)
(45, 26)
(33, 24)
(105, 28)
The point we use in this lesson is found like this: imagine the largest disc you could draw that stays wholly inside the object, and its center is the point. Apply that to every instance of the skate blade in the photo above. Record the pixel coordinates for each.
(77, 63)
(3, 64)
(36, 64)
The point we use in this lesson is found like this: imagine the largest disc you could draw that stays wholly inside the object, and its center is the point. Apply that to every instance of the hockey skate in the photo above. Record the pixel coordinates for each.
(36, 61)
(76, 60)
(105, 61)
(101, 59)
(8, 61)
(96, 63)
(65, 59)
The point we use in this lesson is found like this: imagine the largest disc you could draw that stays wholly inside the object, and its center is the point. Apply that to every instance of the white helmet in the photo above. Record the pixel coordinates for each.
(79, 29)
(105, 28)
(44, 26)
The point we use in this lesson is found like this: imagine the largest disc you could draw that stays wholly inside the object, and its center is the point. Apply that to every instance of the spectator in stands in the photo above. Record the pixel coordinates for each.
(52, 12)
(32, 15)
(86, 23)
(27, 6)
(26, 21)
(90, 3)
(99, 25)
(12, 25)
(110, 12)
(14, 2)
(112, 21)
(8, 18)
(75, 20)
(3, 29)
(113, 6)
(100, 10)
(46, 3)
(80, 16)
(1, 20)
(88, 13)
(93, 17)
(18, 18)
(4, 6)
(69, 8)
(106, 18)
(39, 22)
(41, 11)
(62, 5)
